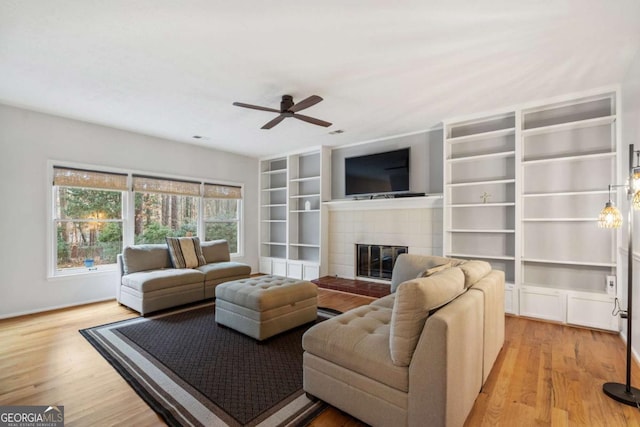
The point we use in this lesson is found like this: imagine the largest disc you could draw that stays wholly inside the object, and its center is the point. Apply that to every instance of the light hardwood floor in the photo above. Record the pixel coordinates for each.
(546, 374)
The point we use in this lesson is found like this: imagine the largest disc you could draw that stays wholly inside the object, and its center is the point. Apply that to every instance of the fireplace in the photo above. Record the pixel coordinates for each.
(376, 261)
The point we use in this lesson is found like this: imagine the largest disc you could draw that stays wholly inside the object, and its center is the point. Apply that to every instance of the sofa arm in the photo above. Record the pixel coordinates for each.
(445, 375)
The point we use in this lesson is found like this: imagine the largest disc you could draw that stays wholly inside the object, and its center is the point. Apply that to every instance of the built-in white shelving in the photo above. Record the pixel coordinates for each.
(300, 183)
(522, 190)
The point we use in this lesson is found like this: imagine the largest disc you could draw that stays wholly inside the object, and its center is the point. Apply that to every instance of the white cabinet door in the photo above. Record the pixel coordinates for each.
(294, 270)
(543, 303)
(265, 265)
(591, 310)
(310, 272)
(510, 298)
(279, 267)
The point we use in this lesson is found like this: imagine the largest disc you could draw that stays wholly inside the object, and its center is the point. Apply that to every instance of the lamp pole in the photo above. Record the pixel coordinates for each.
(625, 393)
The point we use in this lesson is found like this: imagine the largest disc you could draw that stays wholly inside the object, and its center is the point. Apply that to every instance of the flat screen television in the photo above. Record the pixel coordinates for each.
(380, 173)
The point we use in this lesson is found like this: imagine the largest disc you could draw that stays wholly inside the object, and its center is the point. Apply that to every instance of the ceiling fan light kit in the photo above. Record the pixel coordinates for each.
(289, 109)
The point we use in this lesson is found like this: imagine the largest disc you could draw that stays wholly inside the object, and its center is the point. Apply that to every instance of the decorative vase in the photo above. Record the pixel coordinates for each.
(307, 205)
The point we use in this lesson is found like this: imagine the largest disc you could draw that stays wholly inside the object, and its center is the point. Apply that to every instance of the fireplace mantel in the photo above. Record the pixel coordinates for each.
(423, 202)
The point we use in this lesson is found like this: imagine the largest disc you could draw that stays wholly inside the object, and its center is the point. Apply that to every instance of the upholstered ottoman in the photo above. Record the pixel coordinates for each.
(264, 306)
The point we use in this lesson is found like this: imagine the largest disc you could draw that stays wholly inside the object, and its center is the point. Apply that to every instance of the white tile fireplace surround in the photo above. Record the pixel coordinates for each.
(419, 228)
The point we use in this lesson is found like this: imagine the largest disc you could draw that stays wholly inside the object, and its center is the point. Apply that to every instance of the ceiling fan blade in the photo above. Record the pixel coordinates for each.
(305, 103)
(255, 107)
(312, 120)
(273, 122)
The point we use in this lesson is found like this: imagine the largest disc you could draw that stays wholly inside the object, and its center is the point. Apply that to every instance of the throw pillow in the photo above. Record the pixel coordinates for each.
(474, 271)
(433, 270)
(185, 252)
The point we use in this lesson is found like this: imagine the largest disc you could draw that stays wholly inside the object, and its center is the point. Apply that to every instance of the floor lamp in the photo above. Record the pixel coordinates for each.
(610, 217)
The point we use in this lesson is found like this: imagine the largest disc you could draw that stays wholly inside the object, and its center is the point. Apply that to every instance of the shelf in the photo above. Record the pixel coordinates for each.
(303, 196)
(564, 289)
(495, 231)
(304, 245)
(567, 193)
(481, 205)
(502, 154)
(310, 178)
(569, 158)
(273, 220)
(274, 243)
(478, 256)
(559, 219)
(598, 121)
(483, 135)
(305, 211)
(559, 262)
(274, 189)
(275, 171)
(422, 202)
(496, 181)
(277, 205)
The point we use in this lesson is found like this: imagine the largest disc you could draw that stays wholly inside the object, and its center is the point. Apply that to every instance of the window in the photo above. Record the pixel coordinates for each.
(87, 217)
(222, 208)
(94, 215)
(164, 208)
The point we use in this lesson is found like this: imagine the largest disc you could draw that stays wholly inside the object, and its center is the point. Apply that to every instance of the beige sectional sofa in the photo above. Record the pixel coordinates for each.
(417, 357)
(148, 282)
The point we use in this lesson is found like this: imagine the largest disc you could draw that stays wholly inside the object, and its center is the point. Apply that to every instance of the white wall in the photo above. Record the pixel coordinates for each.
(631, 135)
(28, 140)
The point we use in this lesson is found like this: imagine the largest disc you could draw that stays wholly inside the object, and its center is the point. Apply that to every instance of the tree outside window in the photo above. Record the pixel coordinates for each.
(158, 216)
(222, 217)
(88, 227)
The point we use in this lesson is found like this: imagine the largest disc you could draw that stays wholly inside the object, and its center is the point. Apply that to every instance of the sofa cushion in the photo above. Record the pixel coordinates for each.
(154, 280)
(408, 266)
(145, 257)
(358, 340)
(215, 251)
(185, 252)
(264, 293)
(220, 270)
(414, 299)
(385, 302)
(474, 271)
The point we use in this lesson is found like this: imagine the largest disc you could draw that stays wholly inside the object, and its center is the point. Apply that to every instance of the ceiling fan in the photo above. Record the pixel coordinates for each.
(289, 109)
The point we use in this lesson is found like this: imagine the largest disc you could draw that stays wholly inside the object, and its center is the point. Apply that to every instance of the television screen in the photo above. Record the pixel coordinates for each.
(380, 173)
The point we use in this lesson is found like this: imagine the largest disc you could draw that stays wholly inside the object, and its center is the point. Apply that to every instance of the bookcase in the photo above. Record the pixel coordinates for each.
(480, 192)
(523, 189)
(292, 215)
(568, 157)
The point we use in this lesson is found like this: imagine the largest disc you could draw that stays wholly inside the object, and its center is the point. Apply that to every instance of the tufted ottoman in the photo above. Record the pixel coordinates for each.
(264, 306)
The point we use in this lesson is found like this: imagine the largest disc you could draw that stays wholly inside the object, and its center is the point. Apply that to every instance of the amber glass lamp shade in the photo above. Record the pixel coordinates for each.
(610, 217)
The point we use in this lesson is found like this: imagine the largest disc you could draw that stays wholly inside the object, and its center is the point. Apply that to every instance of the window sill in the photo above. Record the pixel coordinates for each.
(82, 271)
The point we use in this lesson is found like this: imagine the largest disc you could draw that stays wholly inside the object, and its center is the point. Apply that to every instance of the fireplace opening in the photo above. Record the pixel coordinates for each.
(377, 261)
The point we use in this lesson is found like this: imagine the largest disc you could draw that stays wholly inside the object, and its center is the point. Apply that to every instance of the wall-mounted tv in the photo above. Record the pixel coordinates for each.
(380, 173)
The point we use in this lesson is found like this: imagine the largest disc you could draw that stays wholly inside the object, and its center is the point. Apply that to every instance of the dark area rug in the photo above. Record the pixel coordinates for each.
(192, 371)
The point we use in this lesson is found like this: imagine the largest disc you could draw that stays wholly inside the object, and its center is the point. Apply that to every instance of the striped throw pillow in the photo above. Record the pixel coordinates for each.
(185, 252)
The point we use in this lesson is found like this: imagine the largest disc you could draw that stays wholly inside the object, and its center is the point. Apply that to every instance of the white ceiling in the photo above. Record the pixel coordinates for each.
(172, 68)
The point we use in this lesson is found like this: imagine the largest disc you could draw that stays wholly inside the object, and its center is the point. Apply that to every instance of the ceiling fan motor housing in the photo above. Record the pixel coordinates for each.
(286, 103)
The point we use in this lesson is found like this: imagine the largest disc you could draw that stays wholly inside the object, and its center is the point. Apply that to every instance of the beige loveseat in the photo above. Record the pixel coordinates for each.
(417, 357)
(148, 282)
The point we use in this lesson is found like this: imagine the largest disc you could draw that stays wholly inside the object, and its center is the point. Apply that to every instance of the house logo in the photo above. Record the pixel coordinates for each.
(32, 416)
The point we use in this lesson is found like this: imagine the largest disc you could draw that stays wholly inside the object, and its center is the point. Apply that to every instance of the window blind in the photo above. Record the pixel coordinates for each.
(147, 184)
(69, 177)
(218, 191)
